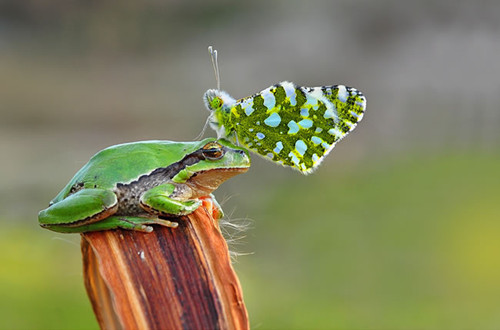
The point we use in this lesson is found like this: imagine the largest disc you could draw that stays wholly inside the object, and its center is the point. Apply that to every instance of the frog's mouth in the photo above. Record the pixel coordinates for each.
(204, 182)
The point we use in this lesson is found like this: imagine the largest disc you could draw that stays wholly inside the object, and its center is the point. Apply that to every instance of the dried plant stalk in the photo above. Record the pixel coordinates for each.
(178, 278)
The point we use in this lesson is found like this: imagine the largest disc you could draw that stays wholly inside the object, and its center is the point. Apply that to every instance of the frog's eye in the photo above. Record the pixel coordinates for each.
(212, 151)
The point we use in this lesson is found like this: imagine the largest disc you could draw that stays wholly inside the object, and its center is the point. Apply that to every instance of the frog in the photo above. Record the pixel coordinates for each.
(139, 184)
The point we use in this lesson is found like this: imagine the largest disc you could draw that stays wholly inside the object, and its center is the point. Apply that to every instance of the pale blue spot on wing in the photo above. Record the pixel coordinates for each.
(247, 102)
(316, 140)
(247, 106)
(269, 99)
(306, 123)
(315, 97)
(325, 145)
(248, 110)
(342, 94)
(250, 129)
(260, 136)
(301, 147)
(290, 92)
(270, 155)
(273, 120)
(304, 112)
(279, 147)
(318, 130)
(294, 128)
(328, 114)
(331, 112)
(294, 158)
(312, 101)
(336, 132)
(315, 158)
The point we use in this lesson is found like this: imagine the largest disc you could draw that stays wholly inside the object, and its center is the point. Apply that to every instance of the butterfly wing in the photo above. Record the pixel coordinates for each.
(297, 126)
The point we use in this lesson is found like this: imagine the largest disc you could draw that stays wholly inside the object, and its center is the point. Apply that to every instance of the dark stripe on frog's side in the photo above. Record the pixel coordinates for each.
(128, 194)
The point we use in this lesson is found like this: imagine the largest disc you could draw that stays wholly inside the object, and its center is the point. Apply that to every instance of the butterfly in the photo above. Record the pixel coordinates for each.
(288, 124)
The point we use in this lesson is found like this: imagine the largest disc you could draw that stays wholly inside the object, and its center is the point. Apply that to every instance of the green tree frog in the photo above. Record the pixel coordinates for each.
(137, 184)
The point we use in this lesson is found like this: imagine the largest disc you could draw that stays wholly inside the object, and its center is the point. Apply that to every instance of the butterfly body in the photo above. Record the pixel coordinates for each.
(291, 125)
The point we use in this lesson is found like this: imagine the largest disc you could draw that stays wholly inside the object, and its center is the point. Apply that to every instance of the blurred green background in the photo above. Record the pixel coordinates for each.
(398, 229)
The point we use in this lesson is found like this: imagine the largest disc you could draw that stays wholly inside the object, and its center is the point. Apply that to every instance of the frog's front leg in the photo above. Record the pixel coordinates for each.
(79, 210)
(163, 200)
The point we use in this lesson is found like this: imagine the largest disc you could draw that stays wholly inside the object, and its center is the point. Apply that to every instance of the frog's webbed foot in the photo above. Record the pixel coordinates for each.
(84, 207)
(213, 207)
(158, 201)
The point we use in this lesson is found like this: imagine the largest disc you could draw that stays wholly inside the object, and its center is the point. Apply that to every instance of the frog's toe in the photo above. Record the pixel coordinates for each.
(212, 206)
(166, 223)
(137, 223)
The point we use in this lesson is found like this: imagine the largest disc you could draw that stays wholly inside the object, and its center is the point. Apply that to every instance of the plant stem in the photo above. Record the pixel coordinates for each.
(178, 278)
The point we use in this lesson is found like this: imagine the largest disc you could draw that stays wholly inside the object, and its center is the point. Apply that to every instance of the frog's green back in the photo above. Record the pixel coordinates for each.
(127, 162)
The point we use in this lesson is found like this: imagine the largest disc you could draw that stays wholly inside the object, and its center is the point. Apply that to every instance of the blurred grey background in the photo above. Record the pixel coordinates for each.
(397, 229)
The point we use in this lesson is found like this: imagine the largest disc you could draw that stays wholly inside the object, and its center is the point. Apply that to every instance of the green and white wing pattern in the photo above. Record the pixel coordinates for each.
(291, 125)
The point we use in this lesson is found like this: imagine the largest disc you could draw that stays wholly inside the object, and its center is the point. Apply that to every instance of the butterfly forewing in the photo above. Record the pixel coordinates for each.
(296, 126)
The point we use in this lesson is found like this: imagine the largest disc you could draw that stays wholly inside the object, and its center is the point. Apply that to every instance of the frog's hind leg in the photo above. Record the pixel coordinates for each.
(82, 208)
(128, 222)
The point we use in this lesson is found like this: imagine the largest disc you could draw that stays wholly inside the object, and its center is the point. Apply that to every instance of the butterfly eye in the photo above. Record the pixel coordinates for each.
(216, 102)
(212, 151)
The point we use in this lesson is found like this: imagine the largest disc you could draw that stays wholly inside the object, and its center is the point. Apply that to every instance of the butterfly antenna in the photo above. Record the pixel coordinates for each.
(215, 64)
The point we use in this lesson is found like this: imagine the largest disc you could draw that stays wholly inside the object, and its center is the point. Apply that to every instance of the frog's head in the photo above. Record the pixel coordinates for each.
(218, 160)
